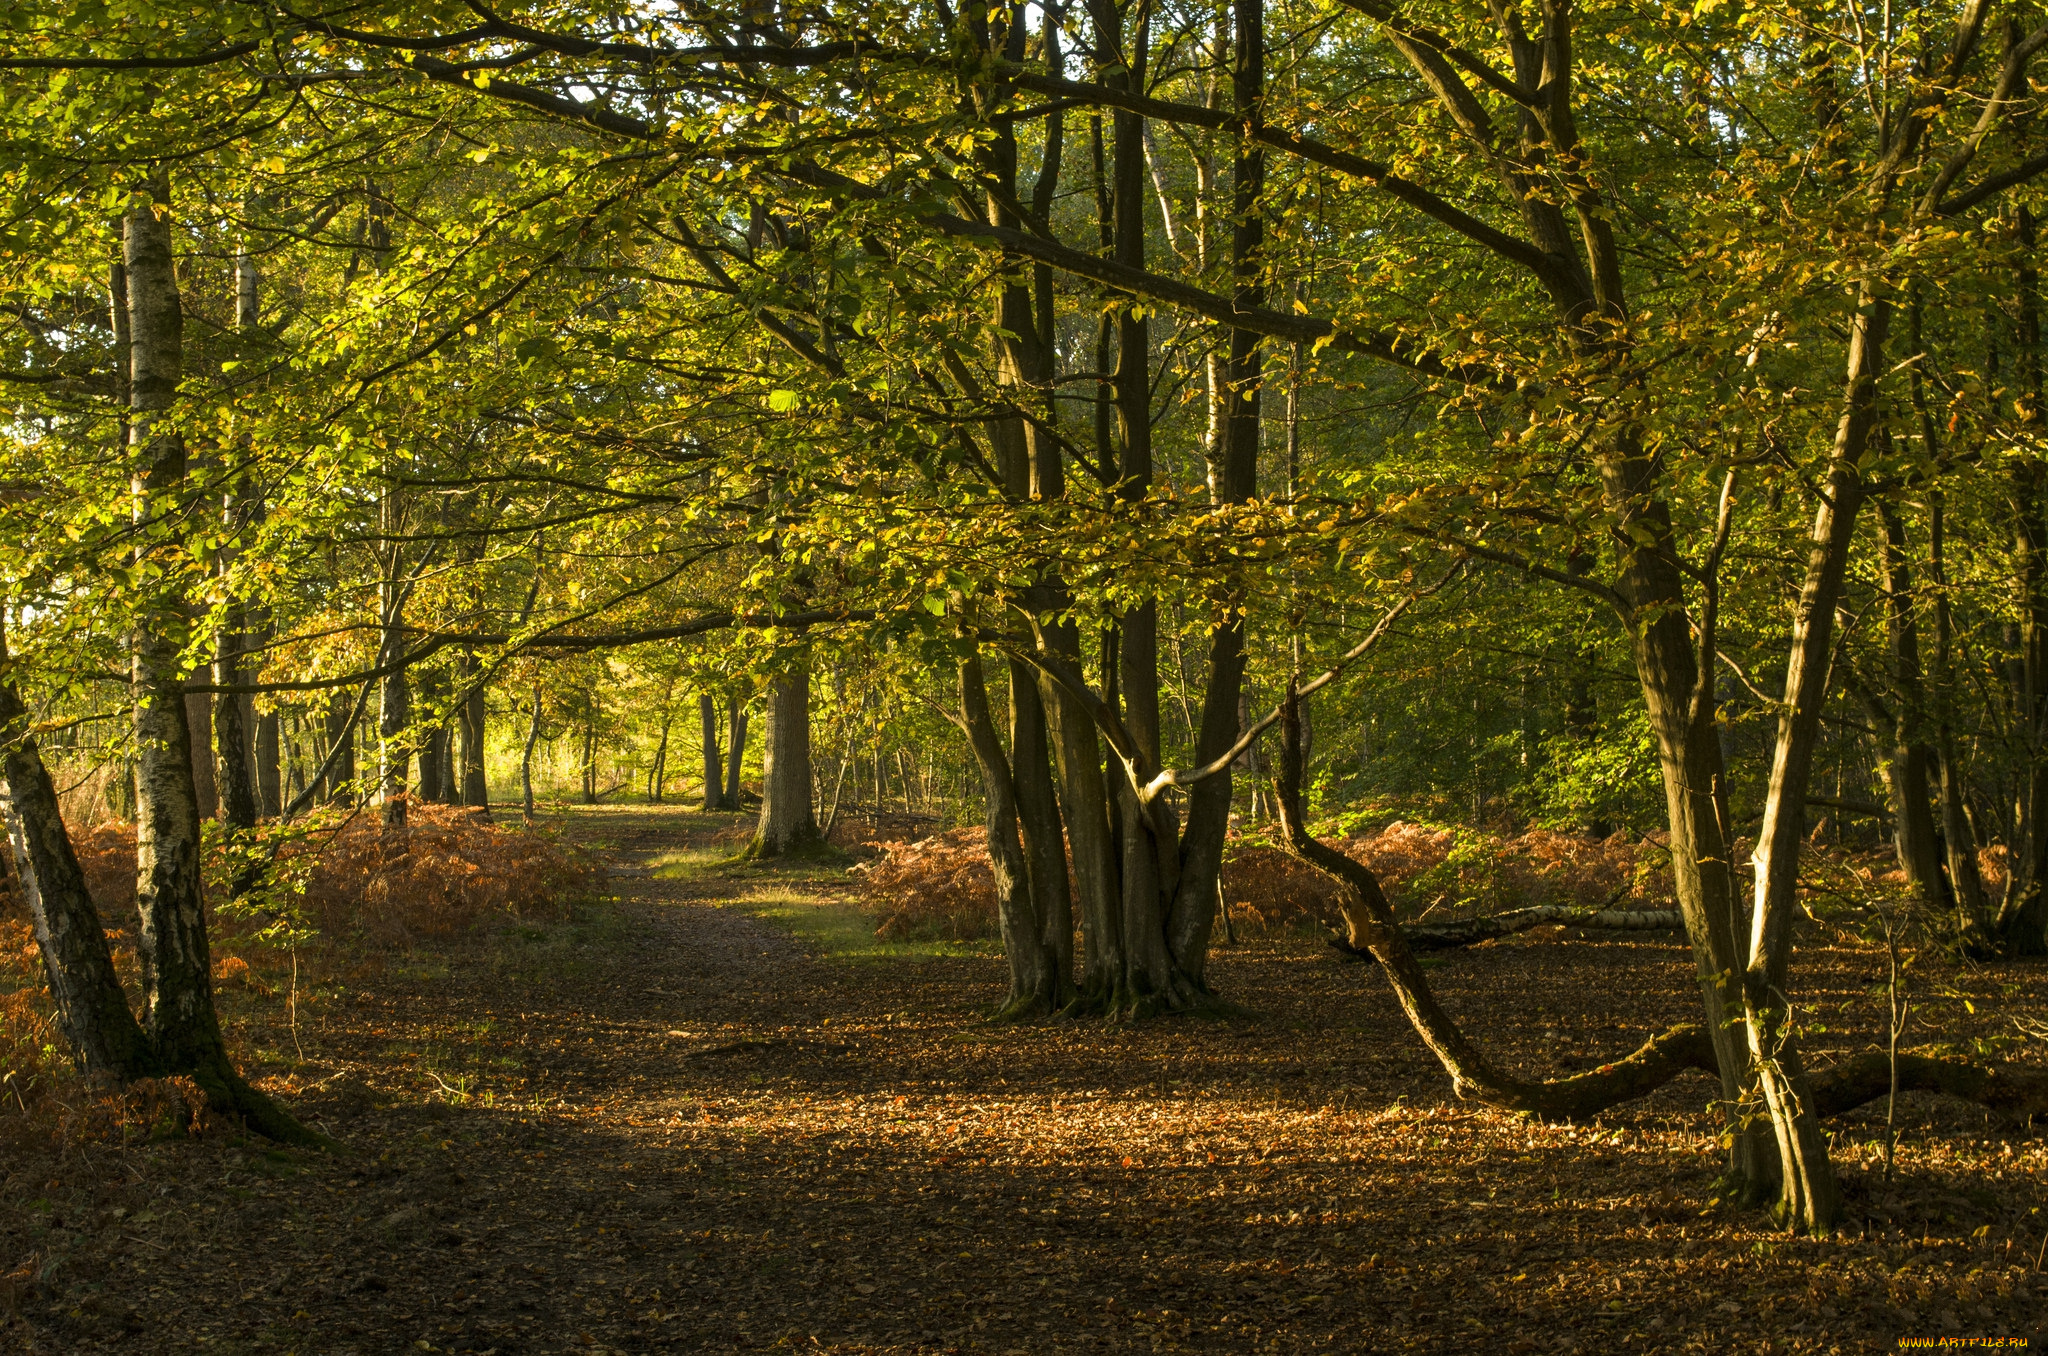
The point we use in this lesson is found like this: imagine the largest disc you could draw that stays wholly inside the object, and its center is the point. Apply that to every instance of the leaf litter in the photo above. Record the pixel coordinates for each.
(664, 1124)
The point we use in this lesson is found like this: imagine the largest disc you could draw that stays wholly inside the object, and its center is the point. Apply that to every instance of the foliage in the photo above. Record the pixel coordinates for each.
(443, 872)
(934, 887)
(941, 886)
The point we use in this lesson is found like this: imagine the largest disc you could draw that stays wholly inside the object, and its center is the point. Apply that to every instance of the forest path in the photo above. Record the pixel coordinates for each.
(667, 1124)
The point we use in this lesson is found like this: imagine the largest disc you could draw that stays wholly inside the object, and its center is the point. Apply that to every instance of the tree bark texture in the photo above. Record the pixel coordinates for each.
(269, 765)
(788, 823)
(472, 731)
(234, 737)
(1038, 983)
(526, 757)
(735, 750)
(205, 785)
(177, 971)
(92, 1007)
(341, 735)
(1907, 769)
(1809, 1197)
(714, 765)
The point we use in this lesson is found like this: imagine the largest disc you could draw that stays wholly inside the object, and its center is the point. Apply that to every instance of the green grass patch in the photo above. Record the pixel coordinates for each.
(839, 931)
(704, 864)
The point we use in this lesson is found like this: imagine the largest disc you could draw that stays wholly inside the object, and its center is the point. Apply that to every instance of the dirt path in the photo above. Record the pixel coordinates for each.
(670, 1126)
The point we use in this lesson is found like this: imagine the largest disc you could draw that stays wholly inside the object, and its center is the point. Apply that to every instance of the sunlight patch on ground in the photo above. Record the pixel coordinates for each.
(827, 927)
(836, 930)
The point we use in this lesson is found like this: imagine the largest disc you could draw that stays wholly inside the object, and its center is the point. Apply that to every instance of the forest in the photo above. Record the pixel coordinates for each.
(1372, 674)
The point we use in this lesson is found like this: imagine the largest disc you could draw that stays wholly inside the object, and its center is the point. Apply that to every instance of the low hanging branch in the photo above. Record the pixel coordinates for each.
(1148, 783)
(1374, 931)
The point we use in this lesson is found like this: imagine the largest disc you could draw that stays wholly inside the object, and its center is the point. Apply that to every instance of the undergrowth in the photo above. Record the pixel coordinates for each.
(941, 886)
(342, 890)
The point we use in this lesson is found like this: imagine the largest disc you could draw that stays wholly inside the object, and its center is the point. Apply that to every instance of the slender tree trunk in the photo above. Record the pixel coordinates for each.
(1959, 839)
(177, 971)
(92, 1008)
(233, 728)
(788, 823)
(526, 757)
(205, 787)
(394, 713)
(1038, 816)
(341, 732)
(589, 759)
(433, 786)
(1084, 809)
(1906, 771)
(1678, 693)
(471, 732)
(736, 751)
(1810, 1200)
(659, 772)
(233, 738)
(1193, 913)
(1036, 979)
(269, 773)
(2022, 923)
(714, 769)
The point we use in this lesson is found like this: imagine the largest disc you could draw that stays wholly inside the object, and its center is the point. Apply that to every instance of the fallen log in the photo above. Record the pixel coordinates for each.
(1472, 931)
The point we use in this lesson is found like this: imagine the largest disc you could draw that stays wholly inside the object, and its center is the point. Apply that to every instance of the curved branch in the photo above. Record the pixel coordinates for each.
(1170, 777)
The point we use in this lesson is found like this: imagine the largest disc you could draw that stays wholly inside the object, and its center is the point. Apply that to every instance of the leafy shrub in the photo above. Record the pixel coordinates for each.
(1609, 777)
(439, 874)
(30, 1049)
(939, 886)
(1428, 870)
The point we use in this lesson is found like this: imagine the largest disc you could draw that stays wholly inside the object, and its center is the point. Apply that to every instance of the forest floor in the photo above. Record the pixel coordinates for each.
(715, 1114)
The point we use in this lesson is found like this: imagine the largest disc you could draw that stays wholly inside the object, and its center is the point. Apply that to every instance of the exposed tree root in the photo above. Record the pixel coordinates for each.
(1123, 1002)
(231, 1094)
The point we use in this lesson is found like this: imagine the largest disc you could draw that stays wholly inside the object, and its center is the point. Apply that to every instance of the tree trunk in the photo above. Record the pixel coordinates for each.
(1906, 771)
(1037, 981)
(1084, 809)
(1193, 895)
(1809, 1198)
(205, 787)
(658, 774)
(340, 734)
(736, 751)
(433, 766)
(589, 759)
(2022, 923)
(233, 729)
(526, 756)
(269, 770)
(788, 825)
(471, 732)
(1958, 834)
(1678, 693)
(394, 706)
(92, 1008)
(233, 738)
(714, 768)
(177, 973)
